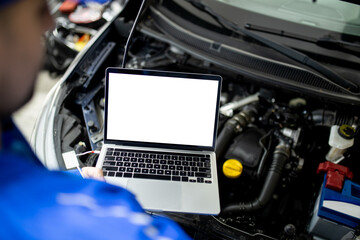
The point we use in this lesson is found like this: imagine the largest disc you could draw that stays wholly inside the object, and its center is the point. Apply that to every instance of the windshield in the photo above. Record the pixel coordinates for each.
(332, 15)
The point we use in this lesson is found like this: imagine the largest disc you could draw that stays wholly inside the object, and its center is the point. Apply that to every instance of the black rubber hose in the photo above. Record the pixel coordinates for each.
(226, 135)
(232, 127)
(280, 156)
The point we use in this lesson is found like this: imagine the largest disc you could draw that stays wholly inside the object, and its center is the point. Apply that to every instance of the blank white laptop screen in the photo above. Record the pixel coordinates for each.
(154, 109)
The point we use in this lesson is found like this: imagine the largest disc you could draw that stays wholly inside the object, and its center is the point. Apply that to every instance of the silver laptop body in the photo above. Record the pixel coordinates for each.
(159, 138)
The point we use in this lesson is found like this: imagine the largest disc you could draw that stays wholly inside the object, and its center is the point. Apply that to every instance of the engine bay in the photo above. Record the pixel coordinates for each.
(275, 145)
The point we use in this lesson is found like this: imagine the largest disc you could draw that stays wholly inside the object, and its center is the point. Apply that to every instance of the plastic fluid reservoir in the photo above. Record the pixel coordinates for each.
(232, 168)
(341, 138)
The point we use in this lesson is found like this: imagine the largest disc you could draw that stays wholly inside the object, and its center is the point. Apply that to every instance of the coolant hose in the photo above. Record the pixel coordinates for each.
(232, 127)
(225, 137)
(280, 156)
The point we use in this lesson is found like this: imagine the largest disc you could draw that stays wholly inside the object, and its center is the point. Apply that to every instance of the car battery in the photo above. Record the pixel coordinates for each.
(336, 213)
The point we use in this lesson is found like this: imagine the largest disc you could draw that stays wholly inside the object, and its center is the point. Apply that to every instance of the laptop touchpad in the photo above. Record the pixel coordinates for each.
(160, 196)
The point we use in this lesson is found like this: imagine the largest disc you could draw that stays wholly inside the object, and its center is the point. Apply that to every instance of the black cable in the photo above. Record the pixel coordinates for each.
(126, 49)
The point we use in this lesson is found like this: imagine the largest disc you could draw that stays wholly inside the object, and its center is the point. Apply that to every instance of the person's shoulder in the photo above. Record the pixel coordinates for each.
(23, 182)
(41, 204)
(22, 174)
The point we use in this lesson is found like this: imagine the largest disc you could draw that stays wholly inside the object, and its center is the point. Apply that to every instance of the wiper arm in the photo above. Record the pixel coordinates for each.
(278, 32)
(331, 43)
(289, 52)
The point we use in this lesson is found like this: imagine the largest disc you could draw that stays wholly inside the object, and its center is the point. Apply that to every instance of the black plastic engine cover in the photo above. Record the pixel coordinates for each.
(246, 148)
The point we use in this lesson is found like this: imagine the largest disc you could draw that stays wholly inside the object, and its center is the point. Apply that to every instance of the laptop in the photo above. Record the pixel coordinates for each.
(159, 138)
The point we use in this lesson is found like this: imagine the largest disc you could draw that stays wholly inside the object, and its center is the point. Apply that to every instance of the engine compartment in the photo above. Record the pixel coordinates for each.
(279, 136)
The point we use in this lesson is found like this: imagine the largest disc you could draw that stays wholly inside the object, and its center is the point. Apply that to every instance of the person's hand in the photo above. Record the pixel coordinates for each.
(92, 172)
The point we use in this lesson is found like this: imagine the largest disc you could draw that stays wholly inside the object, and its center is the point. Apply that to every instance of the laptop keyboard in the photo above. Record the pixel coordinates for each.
(183, 167)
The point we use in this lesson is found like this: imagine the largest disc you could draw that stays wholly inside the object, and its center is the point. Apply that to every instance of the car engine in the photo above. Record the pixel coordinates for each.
(279, 149)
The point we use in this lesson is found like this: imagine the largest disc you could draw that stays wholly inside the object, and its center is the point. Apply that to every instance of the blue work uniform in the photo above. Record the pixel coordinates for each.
(39, 204)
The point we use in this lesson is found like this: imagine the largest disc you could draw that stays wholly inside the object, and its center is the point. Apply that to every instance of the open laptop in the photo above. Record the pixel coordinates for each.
(159, 138)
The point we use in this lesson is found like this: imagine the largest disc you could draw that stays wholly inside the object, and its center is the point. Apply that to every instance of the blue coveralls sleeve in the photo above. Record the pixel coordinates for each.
(39, 204)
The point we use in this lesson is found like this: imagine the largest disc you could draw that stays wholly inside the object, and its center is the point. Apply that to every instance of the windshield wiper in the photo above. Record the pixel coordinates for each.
(289, 52)
(325, 42)
(331, 43)
(278, 32)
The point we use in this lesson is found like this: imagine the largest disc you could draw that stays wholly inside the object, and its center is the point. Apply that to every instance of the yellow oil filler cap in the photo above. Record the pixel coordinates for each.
(232, 168)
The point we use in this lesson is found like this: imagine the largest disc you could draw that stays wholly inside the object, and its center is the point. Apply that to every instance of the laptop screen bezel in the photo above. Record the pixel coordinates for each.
(162, 74)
